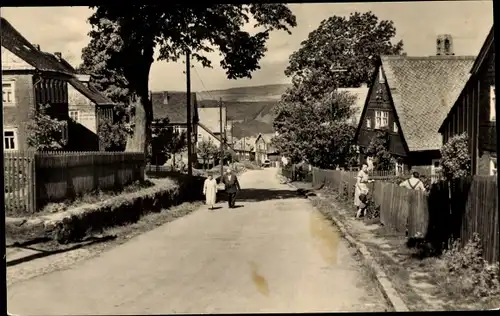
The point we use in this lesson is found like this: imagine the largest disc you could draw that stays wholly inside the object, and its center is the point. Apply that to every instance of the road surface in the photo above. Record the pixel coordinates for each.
(274, 253)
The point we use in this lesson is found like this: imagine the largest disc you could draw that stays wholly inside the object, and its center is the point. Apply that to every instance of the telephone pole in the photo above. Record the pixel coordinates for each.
(188, 111)
(221, 140)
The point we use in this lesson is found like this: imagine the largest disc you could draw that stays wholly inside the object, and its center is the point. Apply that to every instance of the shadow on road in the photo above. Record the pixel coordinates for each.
(257, 195)
(44, 253)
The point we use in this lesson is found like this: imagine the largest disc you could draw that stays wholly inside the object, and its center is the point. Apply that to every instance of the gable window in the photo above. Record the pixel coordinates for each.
(8, 96)
(74, 115)
(368, 123)
(395, 127)
(493, 166)
(381, 119)
(493, 114)
(381, 76)
(10, 139)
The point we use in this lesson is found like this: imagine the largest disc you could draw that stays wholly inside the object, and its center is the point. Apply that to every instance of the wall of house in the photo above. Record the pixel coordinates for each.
(87, 115)
(379, 100)
(260, 150)
(210, 117)
(471, 114)
(203, 135)
(15, 115)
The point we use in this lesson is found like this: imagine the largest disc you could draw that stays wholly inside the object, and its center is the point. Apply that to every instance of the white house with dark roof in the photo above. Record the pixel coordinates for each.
(409, 98)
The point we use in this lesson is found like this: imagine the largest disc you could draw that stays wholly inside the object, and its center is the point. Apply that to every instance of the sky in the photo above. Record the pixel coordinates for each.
(64, 29)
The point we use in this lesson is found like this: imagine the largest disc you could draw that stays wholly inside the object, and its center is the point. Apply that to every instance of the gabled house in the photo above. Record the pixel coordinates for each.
(172, 105)
(408, 99)
(243, 148)
(87, 107)
(31, 77)
(264, 150)
(474, 112)
(209, 116)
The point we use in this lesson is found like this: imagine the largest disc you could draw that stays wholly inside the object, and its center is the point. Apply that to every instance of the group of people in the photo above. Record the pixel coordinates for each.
(231, 184)
(361, 190)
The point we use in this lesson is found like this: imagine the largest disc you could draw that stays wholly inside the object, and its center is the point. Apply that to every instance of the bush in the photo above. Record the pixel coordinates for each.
(467, 272)
(455, 158)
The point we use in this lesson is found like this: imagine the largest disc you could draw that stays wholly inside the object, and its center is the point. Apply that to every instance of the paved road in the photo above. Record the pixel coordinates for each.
(275, 253)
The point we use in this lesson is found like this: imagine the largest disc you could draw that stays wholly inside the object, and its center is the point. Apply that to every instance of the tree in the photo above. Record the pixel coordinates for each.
(112, 136)
(45, 133)
(378, 149)
(317, 133)
(351, 44)
(207, 151)
(133, 32)
(455, 157)
(165, 142)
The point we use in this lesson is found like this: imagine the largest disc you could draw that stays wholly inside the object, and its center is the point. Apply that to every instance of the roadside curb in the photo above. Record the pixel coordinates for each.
(383, 282)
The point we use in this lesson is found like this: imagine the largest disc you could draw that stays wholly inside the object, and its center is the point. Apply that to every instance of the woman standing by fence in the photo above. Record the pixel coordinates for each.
(361, 190)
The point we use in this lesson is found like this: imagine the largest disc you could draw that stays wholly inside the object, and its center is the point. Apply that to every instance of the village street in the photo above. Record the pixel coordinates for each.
(274, 253)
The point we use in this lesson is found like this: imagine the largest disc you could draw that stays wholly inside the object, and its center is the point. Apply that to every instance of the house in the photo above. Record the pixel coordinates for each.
(408, 99)
(172, 105)
(31, 77)
(209, 116)
(474, 112)
(243, 148)
(264, 150)
(87, 107)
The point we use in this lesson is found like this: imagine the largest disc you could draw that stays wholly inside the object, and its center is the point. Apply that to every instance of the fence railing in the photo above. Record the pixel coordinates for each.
(33, 179)
(456, 209)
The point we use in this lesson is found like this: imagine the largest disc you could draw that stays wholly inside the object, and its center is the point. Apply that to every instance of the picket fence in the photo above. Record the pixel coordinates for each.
(33, 179)
(450, 210)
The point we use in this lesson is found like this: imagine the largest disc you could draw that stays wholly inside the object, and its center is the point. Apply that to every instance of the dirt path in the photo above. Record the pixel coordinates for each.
(275, 253)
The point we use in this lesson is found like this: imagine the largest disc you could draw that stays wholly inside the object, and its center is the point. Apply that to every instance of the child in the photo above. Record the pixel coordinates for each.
(210, 190)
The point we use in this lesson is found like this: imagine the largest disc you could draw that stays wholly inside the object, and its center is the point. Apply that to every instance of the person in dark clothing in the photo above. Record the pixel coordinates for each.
(232, 187)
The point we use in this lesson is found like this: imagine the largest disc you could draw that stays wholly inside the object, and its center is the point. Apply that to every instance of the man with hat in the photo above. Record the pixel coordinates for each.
(232, 186)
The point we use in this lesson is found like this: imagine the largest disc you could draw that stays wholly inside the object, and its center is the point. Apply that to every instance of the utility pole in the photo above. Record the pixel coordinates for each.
(221, 140)
(188, 111)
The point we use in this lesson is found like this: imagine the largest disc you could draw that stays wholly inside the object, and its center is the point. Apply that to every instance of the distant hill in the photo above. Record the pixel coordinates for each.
(250, 108)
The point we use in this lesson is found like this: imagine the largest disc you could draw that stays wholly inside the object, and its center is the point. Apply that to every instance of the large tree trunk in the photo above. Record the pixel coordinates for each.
(138, 78)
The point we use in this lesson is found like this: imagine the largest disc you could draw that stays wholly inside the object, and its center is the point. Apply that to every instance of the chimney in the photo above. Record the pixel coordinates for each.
(37, 46)
(58, 55)
(83, 78)
(444, 45)
(364, 85)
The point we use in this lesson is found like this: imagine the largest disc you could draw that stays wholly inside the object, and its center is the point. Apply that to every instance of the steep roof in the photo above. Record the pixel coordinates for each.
(172, 105)
(19, 45)
(423, 90)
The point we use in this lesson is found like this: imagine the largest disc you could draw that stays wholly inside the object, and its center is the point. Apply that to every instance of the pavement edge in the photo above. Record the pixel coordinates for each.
(383, 282)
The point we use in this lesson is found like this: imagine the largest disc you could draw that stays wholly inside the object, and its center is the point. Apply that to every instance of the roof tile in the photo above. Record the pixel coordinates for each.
(423, 90)
(172, 105)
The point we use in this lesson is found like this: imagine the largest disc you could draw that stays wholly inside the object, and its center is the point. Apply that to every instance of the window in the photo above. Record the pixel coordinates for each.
(381, 76)
(395, 127)
(381, 119)
(368, 123)
(493, 114)
(8, 96)
(493, 166)
(9, 139)
(74, 115)
(435, 166)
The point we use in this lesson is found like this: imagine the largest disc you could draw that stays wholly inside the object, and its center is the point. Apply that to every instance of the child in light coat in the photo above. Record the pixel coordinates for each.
(210, 191)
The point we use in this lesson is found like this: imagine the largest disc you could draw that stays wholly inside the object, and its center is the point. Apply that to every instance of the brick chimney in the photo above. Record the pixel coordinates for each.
(444, 45)
(37, 46)
(166, 97)
(84, 78)
(58, 55)
(364, 85)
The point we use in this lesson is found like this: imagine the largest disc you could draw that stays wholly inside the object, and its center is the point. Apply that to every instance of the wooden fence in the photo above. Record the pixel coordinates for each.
(449, 210)
(33, 179)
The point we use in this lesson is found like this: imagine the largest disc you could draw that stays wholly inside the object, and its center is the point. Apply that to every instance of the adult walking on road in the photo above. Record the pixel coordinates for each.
(232, 186)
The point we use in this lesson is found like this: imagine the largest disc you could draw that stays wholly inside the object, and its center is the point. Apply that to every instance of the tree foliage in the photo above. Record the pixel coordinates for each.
(112, 136)
(317, 133)
(45, 133)
(349, 43)
(208, 151)
(378, 149)
(165, 142)
(125, 38)
(455, 158)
